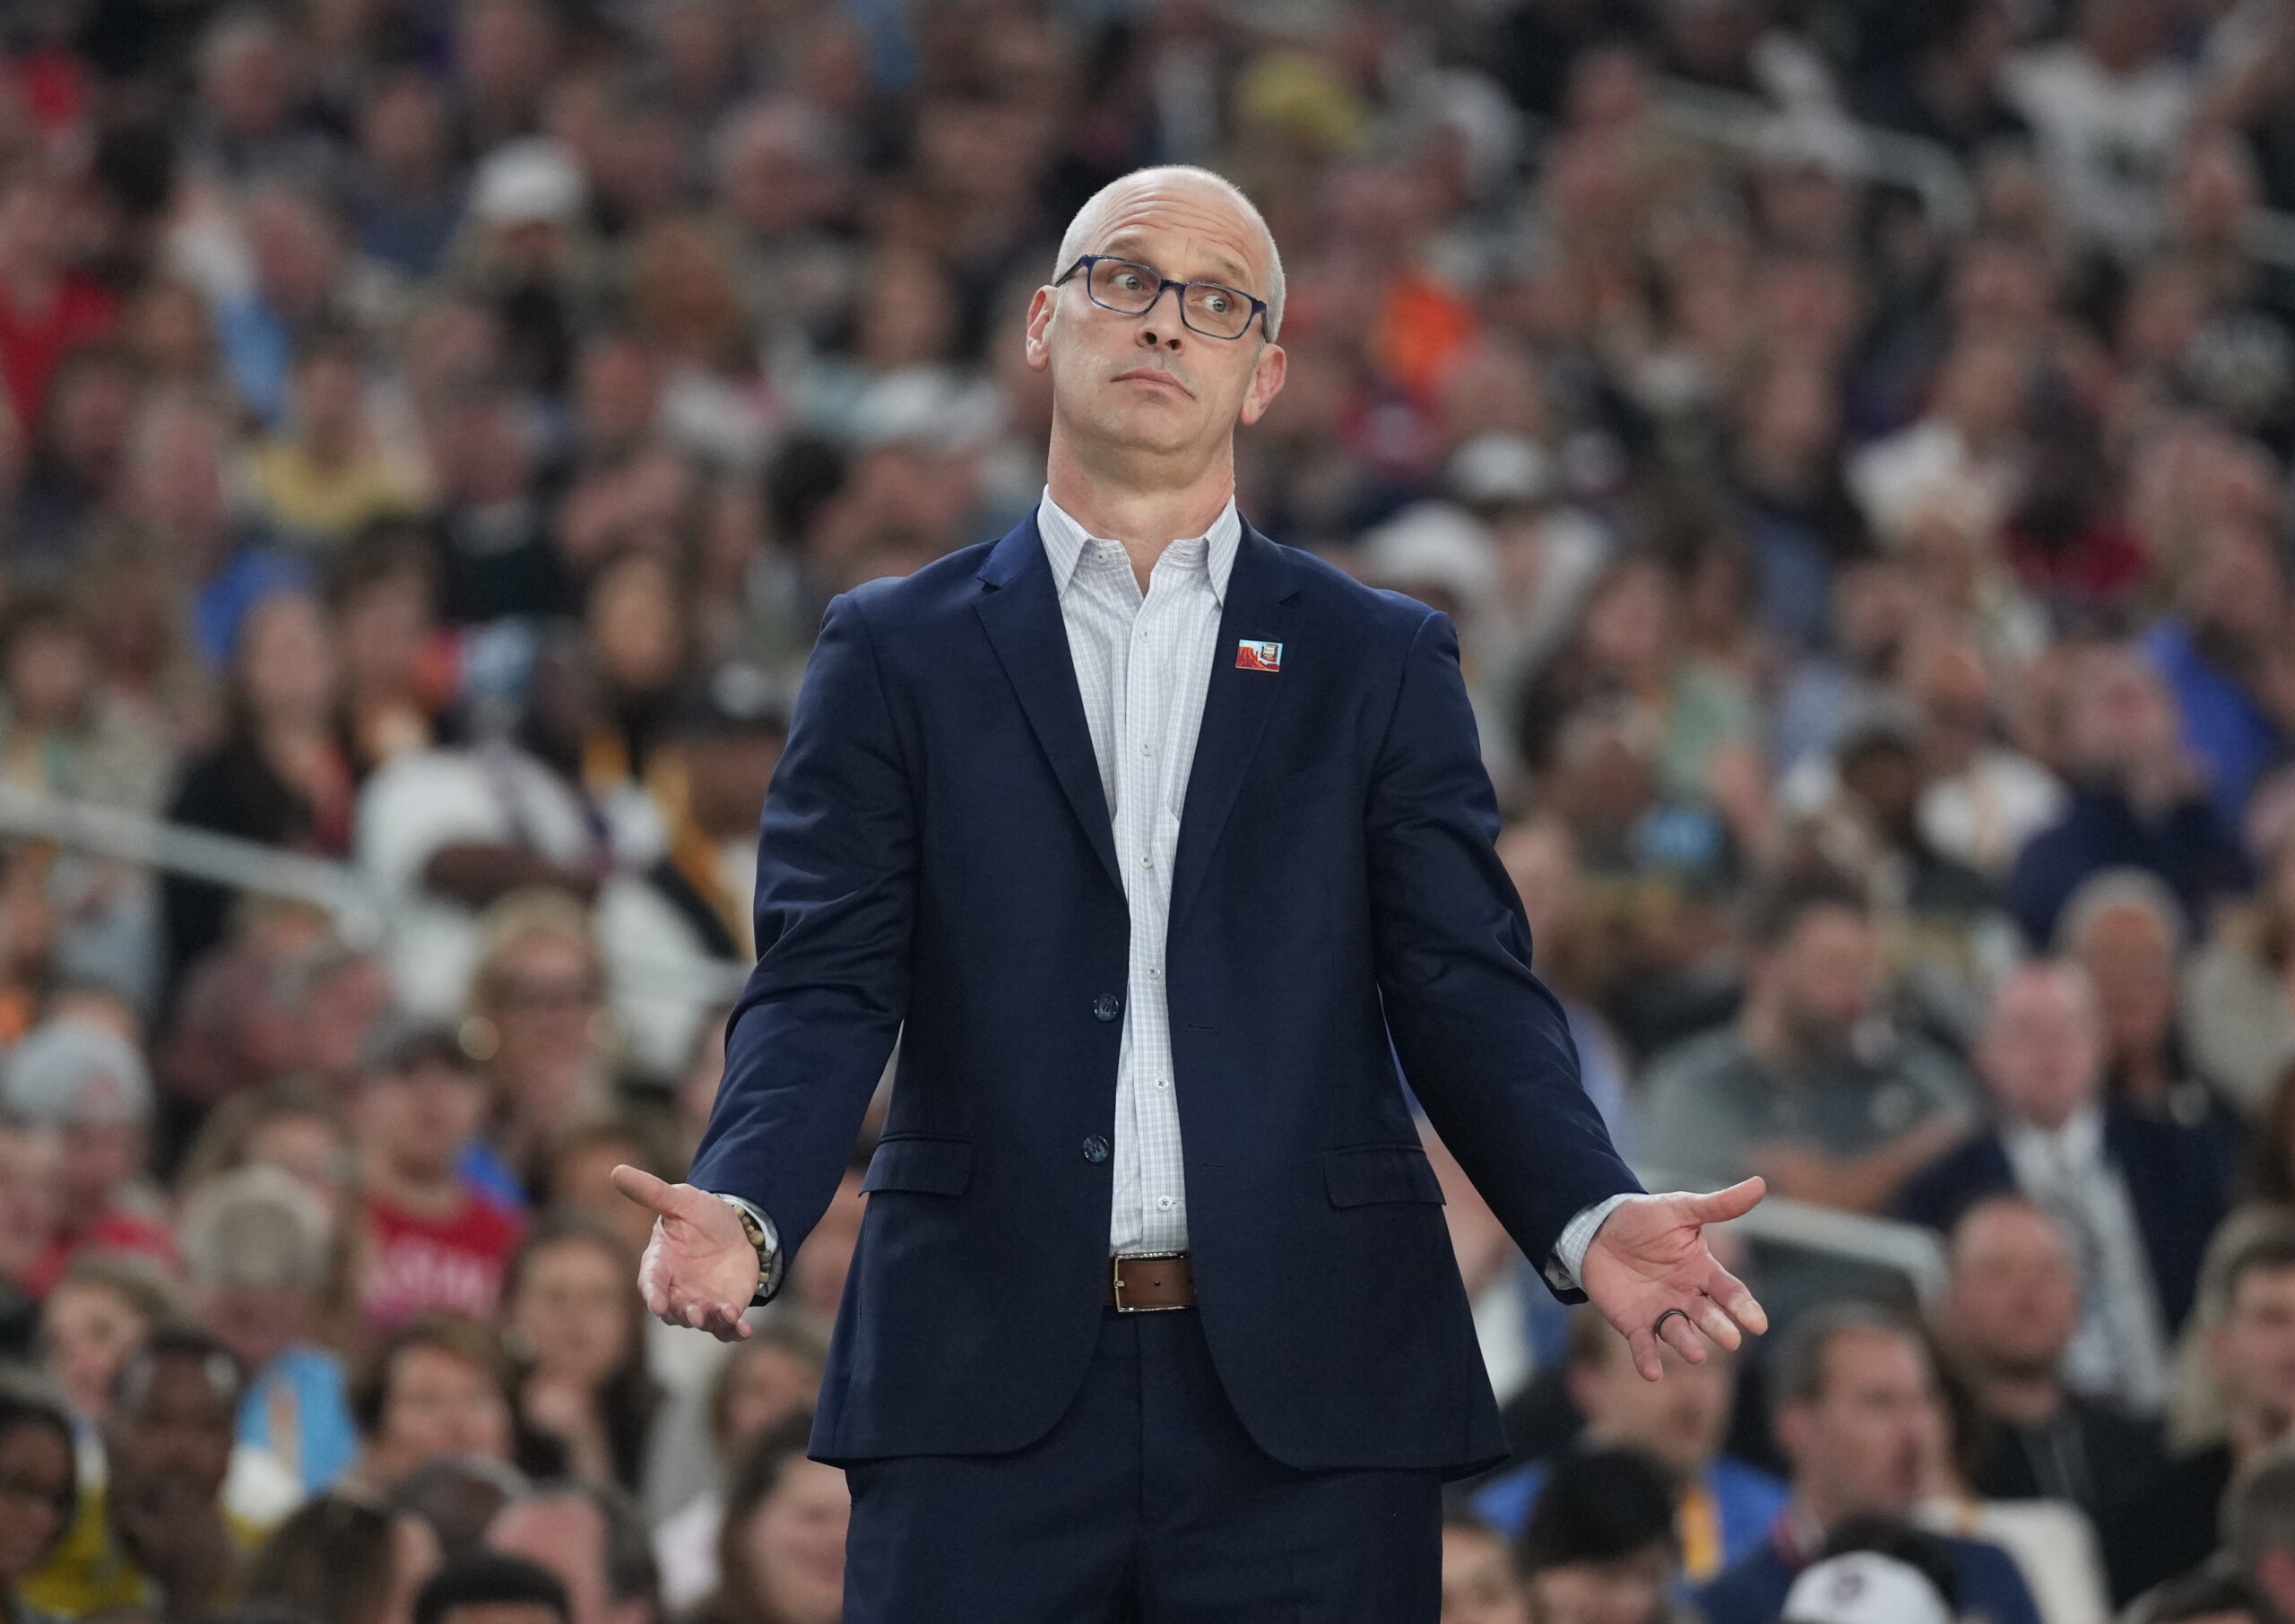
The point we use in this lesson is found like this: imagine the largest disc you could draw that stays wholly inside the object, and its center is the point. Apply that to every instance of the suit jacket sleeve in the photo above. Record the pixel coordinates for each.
(1483, 1043)
(835, 898)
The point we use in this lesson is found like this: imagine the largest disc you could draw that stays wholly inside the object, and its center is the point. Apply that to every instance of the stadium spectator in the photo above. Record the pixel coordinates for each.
(1600, 1544)
(2139, 1194)
(155, 1535)
(1856, 1407)
(339, 1560)
(591, 1537)
(2009, 1312)
(781, 1552)
(434, 1389)
(1789, 1090)
(571, 1311)
(485, 1588)
(257, 1245)
(437, 1241)
(1722, 1507)
(1479, 1582)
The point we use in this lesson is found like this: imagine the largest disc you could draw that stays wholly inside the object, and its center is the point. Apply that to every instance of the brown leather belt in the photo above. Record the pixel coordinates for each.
(1148, 1283)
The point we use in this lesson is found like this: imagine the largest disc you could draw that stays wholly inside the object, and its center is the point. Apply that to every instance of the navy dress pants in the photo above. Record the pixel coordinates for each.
(1147, 1503)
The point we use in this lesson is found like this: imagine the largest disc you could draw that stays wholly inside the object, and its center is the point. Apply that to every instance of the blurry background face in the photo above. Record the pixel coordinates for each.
(1825, 972)
(795, 1542)
(1862, 1445)
(1680, 1420)
(2253, 1351)
(87, 1331)
(436, 1402)
(570, 1309)
(2014, 1299)
(35, 1498)
(2041, 1055)
(1479, 1585)
(419, 1119)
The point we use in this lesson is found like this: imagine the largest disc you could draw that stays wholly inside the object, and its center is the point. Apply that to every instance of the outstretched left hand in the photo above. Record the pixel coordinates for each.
(1650, 1258)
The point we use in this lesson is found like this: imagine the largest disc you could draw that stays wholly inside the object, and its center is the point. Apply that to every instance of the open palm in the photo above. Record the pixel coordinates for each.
(699, 1269)
(1650, 1258)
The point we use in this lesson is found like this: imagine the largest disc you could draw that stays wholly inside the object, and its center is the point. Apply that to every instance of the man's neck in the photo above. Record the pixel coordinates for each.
(1146, 502)
(2022, 1398)
(423, 1194)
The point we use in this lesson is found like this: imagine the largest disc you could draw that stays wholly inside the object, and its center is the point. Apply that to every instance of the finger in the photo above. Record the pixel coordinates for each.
(1643, 1346)
(1719, 1329)
(1738, 1302)
(1735, 1202)
(655, 1194)
(1680, 1336)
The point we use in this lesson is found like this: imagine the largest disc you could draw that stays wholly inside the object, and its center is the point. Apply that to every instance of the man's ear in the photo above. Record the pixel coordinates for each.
(1267, 382)
(1039, 341)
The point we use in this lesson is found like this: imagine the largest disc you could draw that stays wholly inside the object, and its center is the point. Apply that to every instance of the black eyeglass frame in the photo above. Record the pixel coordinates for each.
(1163, 284)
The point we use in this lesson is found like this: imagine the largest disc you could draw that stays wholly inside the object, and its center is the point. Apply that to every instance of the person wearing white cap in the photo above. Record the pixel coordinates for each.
(1864, 1587)
(90, 1085)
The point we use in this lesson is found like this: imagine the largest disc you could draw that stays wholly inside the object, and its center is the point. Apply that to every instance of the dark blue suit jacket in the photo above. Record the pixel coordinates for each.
(2177, 1182)
(937, 851)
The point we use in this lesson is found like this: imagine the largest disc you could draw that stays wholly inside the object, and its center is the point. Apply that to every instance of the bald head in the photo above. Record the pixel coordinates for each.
(1262, 273)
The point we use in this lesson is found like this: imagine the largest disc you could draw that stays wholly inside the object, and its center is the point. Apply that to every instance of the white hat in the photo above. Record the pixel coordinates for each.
(70, 1071)
(1436, 544)
(533, 178)
(1864, 1587)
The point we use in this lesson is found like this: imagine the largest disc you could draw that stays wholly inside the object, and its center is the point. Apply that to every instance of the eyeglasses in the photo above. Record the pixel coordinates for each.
(1128, 287)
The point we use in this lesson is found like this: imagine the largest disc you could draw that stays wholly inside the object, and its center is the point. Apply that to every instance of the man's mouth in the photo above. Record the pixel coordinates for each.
(1153, 375)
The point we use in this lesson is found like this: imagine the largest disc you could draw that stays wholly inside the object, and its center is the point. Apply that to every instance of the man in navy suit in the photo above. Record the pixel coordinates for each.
(1140, 843)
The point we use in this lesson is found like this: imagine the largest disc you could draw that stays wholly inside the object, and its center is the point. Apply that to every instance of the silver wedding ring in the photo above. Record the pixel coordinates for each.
(1658, 1330)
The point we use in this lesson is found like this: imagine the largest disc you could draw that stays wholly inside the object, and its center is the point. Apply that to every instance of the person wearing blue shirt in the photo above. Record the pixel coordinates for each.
(1856, 1405)
(1722, 1507)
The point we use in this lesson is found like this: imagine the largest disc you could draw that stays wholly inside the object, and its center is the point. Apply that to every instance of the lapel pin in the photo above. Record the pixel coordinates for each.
(1252, 656)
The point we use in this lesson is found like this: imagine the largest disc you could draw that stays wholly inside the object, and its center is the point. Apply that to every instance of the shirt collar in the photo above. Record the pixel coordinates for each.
(2079, 1142)
(1064, 539)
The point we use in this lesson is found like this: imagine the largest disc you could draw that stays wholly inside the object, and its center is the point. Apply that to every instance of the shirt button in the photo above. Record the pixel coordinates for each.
(1162, 1082)
(1164, 1203)
(1095, 1150)
(1107, 1006)
(1154, 974)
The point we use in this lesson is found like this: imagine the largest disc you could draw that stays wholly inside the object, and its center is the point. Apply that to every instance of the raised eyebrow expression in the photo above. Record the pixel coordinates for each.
(1226, 271)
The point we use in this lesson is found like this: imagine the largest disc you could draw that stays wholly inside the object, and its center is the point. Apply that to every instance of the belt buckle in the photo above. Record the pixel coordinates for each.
(1115, 1282)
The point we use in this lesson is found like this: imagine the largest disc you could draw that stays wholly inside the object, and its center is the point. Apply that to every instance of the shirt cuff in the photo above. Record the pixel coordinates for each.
(771, 1260)
(1569, 1260)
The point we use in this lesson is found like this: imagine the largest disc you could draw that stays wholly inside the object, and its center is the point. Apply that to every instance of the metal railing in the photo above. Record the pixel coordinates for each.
(360, 915)
(1909, 1250)
(1752, 128)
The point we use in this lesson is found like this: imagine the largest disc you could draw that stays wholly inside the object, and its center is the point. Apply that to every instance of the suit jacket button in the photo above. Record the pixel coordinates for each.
(1107, 1006)
(1095, 1150)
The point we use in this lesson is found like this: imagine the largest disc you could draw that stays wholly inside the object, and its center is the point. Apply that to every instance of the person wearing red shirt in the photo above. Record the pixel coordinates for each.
(434, 1242)
(47, 310)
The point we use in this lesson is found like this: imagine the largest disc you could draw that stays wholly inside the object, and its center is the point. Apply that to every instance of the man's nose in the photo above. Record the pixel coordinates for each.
(1160, 336)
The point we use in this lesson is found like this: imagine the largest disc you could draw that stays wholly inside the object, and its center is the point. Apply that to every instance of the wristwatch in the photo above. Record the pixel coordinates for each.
(759, 1229)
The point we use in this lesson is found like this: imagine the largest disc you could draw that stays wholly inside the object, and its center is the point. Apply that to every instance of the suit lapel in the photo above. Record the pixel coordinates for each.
(1020, 612)
(1261, 608)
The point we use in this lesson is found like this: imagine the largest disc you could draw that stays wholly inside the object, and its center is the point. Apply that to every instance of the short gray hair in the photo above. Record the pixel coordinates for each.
(1088, 218)
(2110, 890)
(257, 1227)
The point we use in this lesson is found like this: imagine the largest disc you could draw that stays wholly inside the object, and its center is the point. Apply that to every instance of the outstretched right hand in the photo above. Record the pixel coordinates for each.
(699, 1269)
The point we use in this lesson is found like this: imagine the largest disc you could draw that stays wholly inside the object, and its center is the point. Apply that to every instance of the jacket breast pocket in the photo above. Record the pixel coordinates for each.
(1373, 1173)
(923, 1164)
(1290, 789)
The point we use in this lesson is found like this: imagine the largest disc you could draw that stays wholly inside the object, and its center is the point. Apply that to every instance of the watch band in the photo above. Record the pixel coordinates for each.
(759, 1230)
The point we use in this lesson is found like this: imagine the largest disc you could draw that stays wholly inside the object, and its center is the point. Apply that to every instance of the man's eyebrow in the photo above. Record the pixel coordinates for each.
(1226, 269)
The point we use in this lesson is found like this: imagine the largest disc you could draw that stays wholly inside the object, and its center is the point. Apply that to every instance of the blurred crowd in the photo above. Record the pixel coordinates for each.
(1852, 438)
